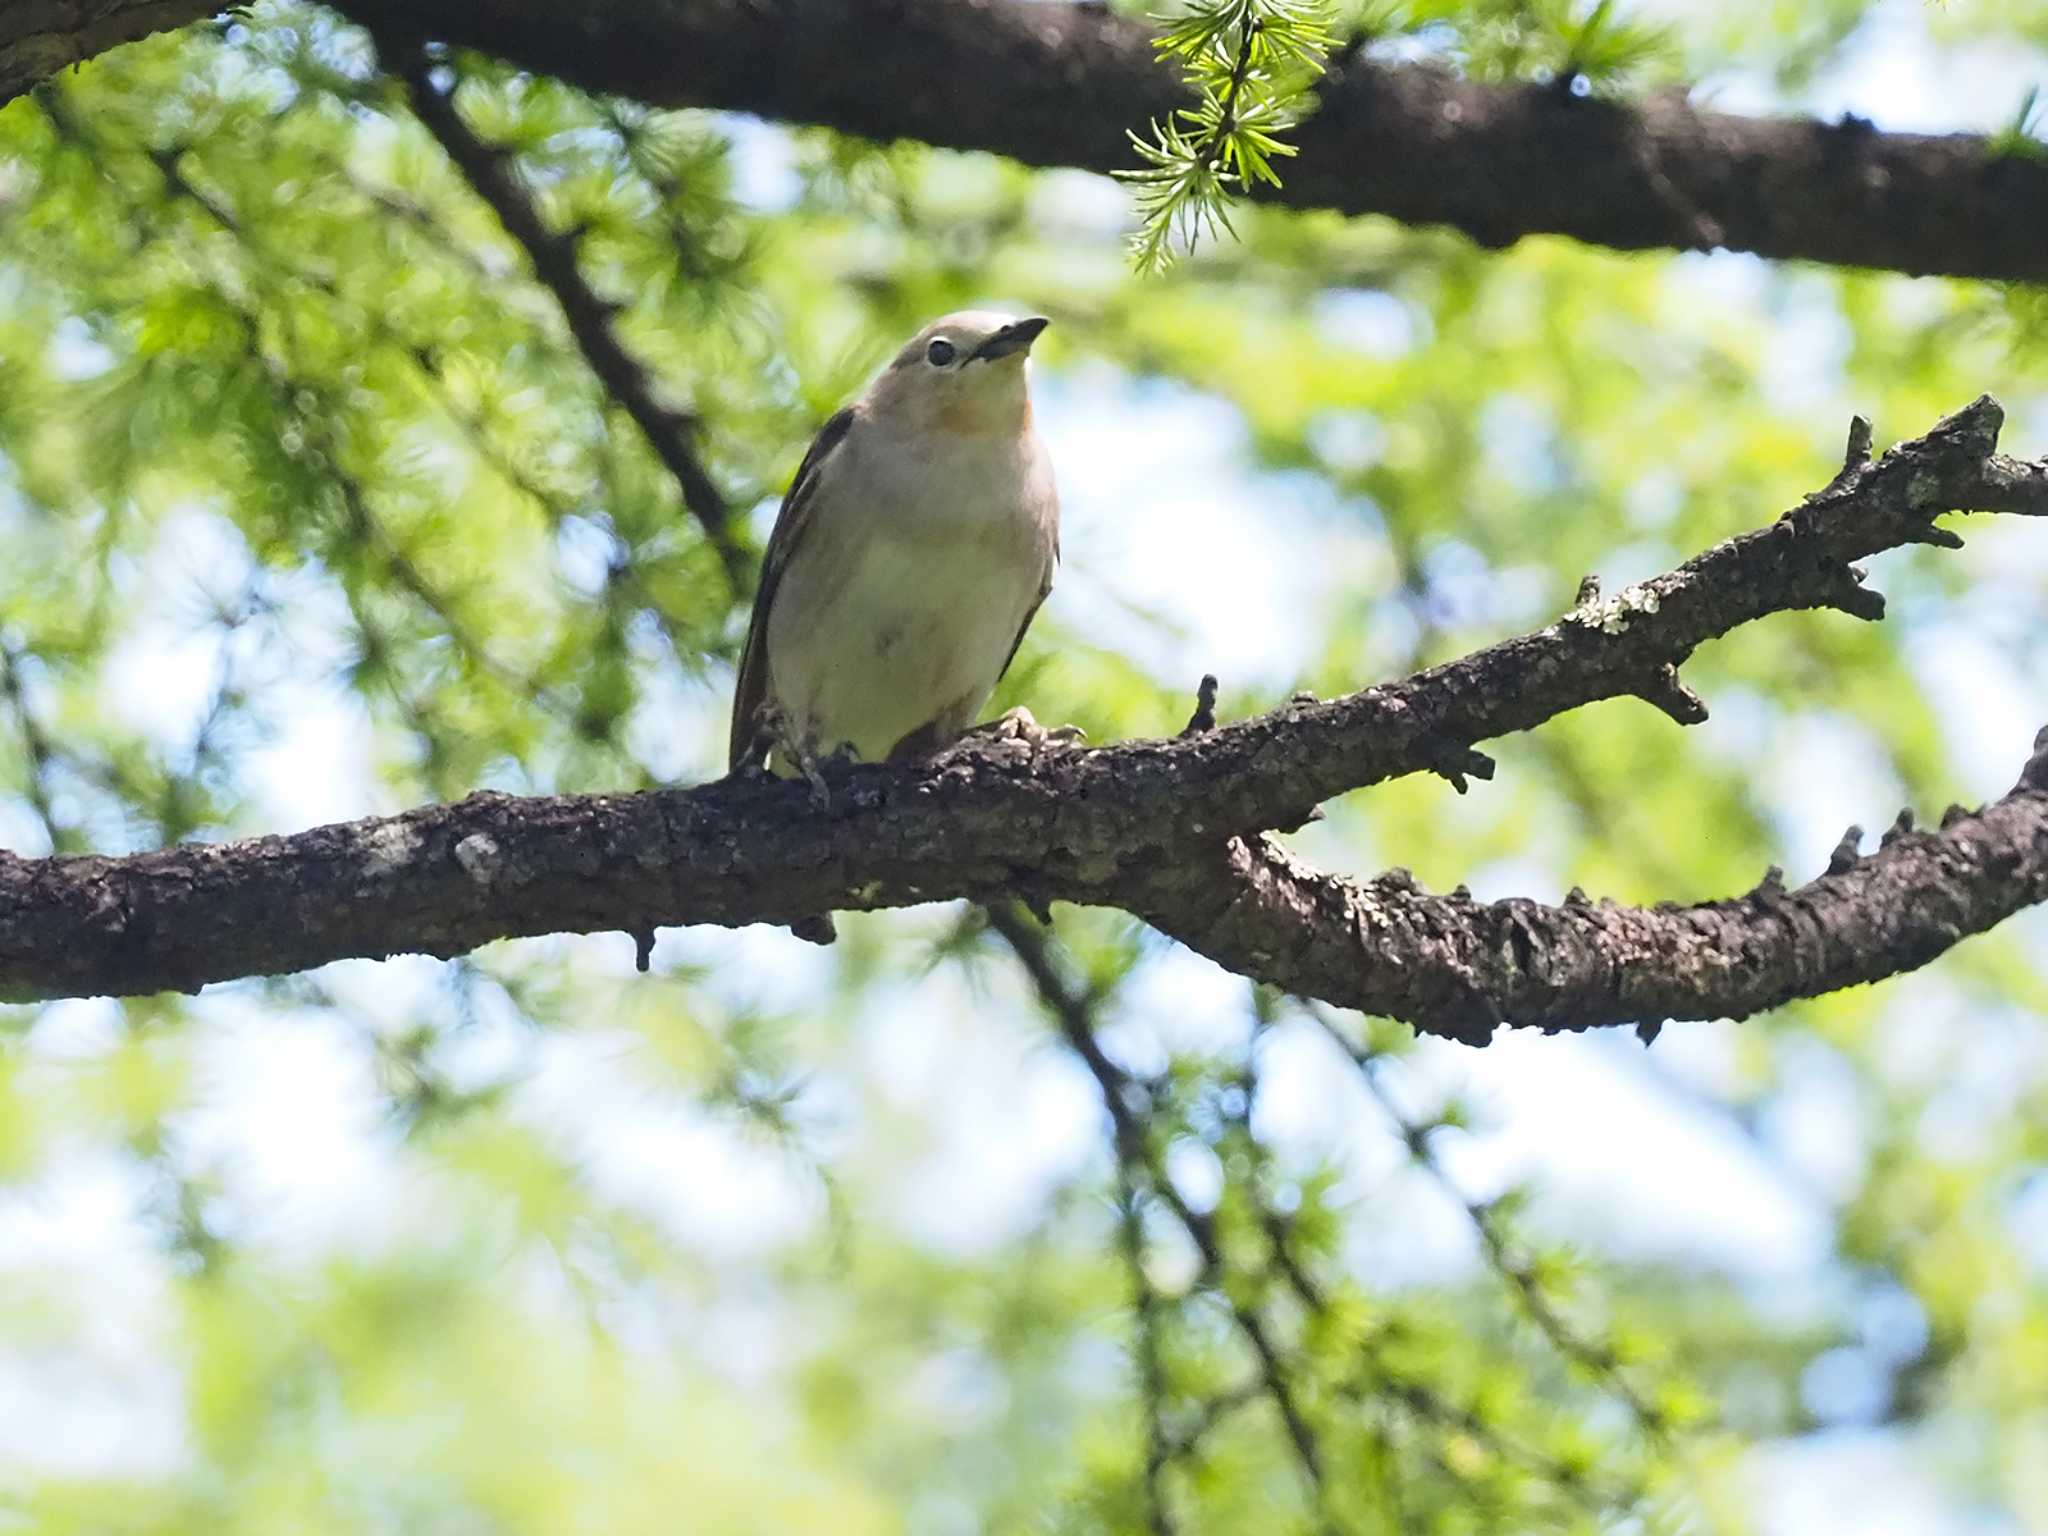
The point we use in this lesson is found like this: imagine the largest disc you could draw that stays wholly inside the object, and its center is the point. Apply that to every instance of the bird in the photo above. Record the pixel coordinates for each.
(911, 553)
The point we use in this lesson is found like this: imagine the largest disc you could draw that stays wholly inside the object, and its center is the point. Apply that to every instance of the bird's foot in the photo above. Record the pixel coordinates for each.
(1020, 724)
(798, 751)
(812, 765)
(808, 764)
(767, 736)
(819, 928)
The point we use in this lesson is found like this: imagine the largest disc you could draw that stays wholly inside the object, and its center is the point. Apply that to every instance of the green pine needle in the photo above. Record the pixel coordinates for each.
(1250, 63)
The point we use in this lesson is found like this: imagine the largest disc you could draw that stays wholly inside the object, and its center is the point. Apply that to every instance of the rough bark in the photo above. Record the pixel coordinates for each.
(40, 37)
(1172, 830)
(1454, 966)
(1058, 84)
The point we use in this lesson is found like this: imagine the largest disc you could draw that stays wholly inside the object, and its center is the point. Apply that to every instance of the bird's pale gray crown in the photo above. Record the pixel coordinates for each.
(957, 341)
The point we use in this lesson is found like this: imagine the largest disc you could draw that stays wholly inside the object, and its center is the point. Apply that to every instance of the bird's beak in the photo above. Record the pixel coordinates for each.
(1014, 337)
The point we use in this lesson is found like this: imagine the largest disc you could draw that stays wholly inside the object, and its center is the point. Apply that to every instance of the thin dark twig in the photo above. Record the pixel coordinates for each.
(1278, 1228)
(35, 744)
(471, 424)
(1070, 1008)
(1598, 1360)
(1211, 1415)
(1375, 1375)
(623, 574)
(492, 173)
(363, 523)
(1240, 70)
(1145, 1302)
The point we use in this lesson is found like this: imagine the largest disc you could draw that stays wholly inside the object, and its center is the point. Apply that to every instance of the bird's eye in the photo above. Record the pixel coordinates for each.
(939, 353)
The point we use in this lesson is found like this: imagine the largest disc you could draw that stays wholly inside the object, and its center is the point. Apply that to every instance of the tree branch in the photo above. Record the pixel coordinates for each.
(1137, 1161)
(36, 41)
(491, 173)
(1060, 84)
(1168, 829)
(1517, 1272)
(1453, 966)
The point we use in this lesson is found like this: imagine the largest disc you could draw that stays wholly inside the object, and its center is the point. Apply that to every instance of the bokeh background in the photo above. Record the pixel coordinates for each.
(310, 508)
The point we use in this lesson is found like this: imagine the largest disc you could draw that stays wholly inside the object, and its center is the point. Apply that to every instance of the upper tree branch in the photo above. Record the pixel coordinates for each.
(591, 319)
(1163, 828)
(1056, 84)
(37, 40)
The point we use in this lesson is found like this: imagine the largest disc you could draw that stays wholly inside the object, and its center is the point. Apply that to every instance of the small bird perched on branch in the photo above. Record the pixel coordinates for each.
(912, 550)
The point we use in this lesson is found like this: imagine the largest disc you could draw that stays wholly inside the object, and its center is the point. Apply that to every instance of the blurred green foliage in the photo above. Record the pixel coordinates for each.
(289, 435)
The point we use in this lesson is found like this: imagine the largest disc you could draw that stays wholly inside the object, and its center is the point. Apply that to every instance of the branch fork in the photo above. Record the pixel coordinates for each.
(1176, 831)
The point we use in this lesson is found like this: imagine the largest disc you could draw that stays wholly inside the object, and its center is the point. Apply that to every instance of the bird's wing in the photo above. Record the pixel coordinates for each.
(790, 525)
(1044, 588)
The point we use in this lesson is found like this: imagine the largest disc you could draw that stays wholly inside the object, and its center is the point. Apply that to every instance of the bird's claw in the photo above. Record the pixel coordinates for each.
(781, 741)
(1019, 724)
(821, 796)
(812, 765)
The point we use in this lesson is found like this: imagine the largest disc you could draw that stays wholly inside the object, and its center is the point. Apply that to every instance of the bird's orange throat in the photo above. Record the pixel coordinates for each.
(981, 412)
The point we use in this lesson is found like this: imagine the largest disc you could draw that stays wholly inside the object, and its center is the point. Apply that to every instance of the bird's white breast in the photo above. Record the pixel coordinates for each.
(902, 601)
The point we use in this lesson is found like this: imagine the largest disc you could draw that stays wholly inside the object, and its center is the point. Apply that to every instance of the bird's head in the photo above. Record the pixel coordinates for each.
(963, 373)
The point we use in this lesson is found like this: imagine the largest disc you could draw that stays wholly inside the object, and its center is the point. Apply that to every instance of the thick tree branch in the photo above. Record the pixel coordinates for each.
(1059, 84)
(1457, 967)
(39, 38)
(1168, 829)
